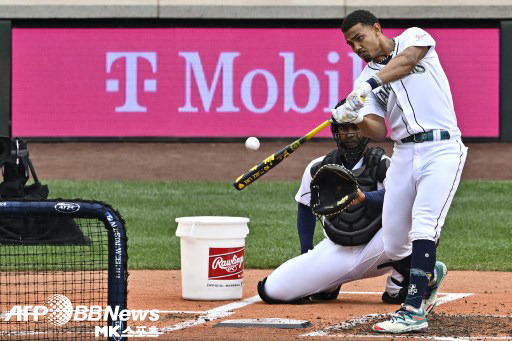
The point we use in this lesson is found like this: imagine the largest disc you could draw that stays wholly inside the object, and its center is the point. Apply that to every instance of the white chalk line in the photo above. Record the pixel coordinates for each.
(443, 298)
(212, 314)
(181, 311)
(449, 297)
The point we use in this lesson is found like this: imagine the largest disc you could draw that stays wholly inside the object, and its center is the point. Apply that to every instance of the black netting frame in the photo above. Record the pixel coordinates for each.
(88, 274)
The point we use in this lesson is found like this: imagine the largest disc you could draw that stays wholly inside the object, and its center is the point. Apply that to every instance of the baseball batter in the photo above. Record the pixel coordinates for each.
(353, 248)
(405, 83)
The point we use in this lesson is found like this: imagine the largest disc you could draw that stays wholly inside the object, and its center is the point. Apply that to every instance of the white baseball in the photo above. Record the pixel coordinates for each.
(252, 143)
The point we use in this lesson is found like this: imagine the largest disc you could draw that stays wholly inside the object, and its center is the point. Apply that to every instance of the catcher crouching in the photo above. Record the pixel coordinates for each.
(345, 189)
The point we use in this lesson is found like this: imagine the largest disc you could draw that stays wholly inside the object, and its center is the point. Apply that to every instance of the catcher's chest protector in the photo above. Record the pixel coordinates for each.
(358, 224)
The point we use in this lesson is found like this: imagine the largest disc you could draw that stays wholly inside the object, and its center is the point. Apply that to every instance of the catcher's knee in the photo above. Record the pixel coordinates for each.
(267, 299)
(263, 294)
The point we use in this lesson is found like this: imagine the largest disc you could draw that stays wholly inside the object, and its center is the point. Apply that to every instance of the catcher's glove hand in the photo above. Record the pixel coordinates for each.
(333, 188)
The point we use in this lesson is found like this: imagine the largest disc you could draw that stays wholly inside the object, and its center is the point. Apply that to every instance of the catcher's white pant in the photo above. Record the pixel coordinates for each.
(420, 185)
(327, 266)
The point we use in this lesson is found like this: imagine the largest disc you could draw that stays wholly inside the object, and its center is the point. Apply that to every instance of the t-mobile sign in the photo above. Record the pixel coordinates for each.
(217, 82)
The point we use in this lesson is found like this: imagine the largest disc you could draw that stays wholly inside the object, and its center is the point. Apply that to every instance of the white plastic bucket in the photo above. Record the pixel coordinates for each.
(212, 257)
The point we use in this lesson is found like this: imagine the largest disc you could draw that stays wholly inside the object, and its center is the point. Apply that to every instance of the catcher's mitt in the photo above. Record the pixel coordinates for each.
(333, 188)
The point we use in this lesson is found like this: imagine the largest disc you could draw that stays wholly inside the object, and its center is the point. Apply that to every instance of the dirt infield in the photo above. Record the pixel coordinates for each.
(477, 304)
(486, 311)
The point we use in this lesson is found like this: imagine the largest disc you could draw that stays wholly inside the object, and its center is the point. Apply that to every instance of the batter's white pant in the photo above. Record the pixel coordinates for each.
(420, 185)
(327, 266)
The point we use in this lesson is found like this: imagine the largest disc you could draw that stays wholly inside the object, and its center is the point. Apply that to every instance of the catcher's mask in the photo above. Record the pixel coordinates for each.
(350, 142)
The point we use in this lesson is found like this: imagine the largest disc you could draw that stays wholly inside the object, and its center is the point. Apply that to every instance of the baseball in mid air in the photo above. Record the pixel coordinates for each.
(252, 143)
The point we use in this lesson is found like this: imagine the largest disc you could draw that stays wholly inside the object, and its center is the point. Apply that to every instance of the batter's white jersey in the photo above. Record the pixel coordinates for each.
(423, 177)
(419, 102)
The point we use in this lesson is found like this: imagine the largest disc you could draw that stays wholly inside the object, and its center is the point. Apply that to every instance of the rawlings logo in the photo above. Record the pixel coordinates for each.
(231, 265)
(67, 207)
(226, 263)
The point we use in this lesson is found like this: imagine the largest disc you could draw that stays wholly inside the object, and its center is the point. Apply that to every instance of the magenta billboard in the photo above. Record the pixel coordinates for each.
(217, 82)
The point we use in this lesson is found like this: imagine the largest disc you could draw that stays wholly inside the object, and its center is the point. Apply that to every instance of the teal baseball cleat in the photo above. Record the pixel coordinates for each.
(440, 271)
(406, 319)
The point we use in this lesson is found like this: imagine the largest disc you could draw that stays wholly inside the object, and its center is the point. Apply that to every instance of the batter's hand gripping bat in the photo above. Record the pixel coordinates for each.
(273, 160)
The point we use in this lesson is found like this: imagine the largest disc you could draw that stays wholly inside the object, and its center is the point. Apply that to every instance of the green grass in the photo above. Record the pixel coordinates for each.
(476, 236)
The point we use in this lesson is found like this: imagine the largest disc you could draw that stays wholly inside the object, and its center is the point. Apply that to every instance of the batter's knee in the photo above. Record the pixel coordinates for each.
(423, 235)
(396, 245)
(424, 227)
(396, 251)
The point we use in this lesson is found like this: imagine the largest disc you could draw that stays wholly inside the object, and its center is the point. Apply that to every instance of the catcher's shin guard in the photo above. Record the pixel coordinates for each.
(399, 298)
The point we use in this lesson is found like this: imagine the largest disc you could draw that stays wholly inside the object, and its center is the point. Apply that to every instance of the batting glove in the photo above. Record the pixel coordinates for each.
(345, 115)
(355, 99)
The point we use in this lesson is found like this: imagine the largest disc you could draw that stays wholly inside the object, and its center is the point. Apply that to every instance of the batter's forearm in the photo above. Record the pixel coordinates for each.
(397, 68)
(402, 65)
(373, 127)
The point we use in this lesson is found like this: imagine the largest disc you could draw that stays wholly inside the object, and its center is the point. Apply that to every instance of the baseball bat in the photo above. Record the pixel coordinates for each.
(273, 160)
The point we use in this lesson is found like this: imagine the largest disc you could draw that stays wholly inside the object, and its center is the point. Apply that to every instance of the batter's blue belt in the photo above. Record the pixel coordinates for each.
(426, 136)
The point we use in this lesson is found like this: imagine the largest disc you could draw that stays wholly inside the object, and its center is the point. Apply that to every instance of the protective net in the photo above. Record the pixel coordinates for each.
(47, 285)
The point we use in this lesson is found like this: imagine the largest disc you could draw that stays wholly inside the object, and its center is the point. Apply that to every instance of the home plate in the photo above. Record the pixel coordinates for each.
(266, 323)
